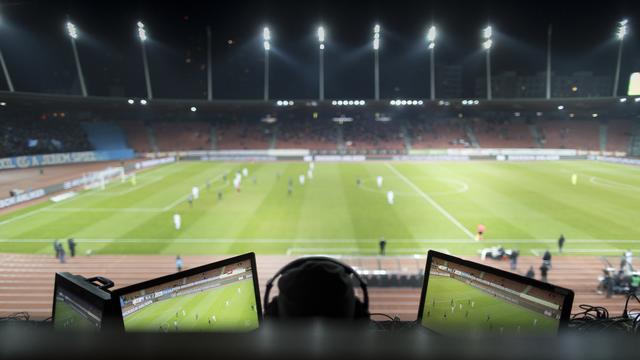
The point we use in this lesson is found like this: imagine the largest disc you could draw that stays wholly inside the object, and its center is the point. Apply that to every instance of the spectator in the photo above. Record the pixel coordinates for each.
(56, 248)
(543, 272)
(629, 257)
(72, 247)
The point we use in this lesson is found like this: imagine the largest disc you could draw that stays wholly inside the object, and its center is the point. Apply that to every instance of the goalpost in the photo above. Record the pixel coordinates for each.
(100, 179)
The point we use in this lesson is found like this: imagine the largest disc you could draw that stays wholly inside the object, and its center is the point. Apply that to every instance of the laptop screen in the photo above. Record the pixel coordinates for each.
(463, 298)
(77, 307)
(209, 298)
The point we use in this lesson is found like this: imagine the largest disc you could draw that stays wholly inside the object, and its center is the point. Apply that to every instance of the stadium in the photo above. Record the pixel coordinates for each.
(122, 175)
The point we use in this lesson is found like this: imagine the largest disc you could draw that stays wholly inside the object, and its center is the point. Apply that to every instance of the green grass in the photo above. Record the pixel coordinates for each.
(524, 205)
(231, 307)
(475, 311)
(68, 318)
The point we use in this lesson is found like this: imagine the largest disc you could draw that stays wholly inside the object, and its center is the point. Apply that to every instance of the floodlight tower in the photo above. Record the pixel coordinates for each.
(6, 73)
(321, 37)
(266, 37)
(487, 34)
(620, 34)
(376, 69)
(431, 41)
(72, 31)
(142, 35)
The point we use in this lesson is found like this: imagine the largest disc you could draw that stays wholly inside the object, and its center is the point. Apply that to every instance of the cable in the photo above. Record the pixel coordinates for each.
(385, 315)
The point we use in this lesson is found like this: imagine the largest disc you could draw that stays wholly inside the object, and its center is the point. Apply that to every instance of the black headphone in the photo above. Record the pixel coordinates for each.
(361, 310)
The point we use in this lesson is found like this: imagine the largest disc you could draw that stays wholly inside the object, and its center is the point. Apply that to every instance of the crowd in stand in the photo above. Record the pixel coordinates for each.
(38, 136)
(298, 132)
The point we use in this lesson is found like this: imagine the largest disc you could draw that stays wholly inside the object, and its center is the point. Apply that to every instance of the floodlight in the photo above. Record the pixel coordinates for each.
(321, 34)
(376, 44)
(432, 45)
(623, 100)
(279, 102)
(193, 109)
(560, 107)
(487, 44)
(476, 102)
(72, 30)
(487, 32)
(622, 29)
(266, 34)
(392, 102)
(464, 102)
(143, 102)
(3, 103)
(376, 29)
(420, 102)
(431, 34)
(142, 32)
(267, 46)
(130, 101)
(595, 115)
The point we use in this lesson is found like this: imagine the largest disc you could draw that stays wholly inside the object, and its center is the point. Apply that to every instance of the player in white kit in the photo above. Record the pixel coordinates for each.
(379, 181)
(177, 221)
(390, 197)
(196, 192)
(310, 174)
(245, 172)
(301, 179)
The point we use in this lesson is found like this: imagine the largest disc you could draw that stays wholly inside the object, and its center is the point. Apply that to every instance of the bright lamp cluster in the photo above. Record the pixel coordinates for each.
(376, 37)
(72, 30)
(622, 29)
(400, 102)
(321, 37)
(470, 102)
(348, 102)
(284, 103)
(431, 37)
(142, 32)
(266, 36)
(487, 34)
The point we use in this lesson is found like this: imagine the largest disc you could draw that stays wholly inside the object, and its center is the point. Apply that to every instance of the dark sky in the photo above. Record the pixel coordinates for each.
(39, 56)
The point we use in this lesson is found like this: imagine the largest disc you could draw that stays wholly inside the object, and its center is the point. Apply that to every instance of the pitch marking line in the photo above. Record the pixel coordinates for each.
(538, 252)
(432, 202)
(308, 241)
(342, 251)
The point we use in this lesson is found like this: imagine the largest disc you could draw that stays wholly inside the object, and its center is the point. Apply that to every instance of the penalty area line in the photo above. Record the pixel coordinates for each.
(432, 202)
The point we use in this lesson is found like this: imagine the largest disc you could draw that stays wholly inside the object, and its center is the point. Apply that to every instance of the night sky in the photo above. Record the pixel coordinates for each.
(38, 53)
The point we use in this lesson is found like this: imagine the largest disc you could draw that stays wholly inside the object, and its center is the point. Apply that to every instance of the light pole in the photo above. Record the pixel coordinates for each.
(620, 34)
(321, 38)
(431, 40)
(266, 36)
(548, 90)
(6, 73)
(142, 35)
(376, 69)
(209, 68)
(487, 34)
(73, 35)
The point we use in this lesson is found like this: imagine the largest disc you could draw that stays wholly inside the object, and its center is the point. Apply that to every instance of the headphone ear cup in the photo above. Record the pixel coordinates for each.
(360, 311)
(271, 310)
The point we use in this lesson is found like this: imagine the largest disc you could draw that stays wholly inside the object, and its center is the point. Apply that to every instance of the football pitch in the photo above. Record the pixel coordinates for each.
(231, 307)
(452, 305)
(438, 205)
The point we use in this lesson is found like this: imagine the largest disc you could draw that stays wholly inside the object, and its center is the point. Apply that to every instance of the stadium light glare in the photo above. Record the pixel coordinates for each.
(392, 102)
(431, 34)
(143, 102)
(560, 107)
(193, 109)
(267, 46)
(142, 32)
(72, 30)
(334, 103)
(321, 35)
(2, 103)
(572, 115)
(487, 44)
(622, 29)
(594, 115)
(623, 100)
(376, 29)
(487, 32)
(636, 99)
(130, 101)
(266, 34)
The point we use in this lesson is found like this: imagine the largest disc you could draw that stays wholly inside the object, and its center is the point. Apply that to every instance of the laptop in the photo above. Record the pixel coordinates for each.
(78, 304)
(462, 298)
(217, 297)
